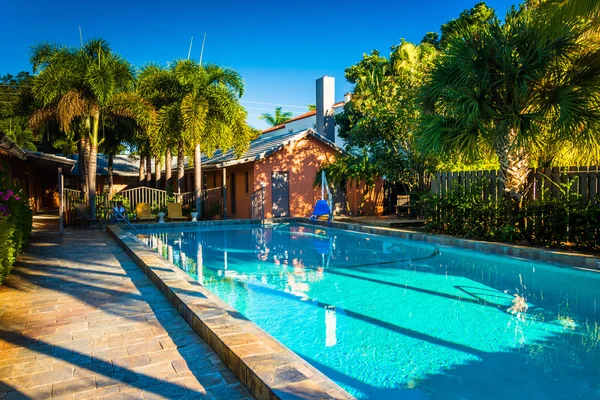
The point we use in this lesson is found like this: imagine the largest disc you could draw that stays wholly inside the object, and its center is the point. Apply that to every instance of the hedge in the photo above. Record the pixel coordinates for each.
(15, 226)
(565, 222)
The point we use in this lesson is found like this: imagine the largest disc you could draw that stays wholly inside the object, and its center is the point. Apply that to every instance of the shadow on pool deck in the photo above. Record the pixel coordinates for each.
(95, 296)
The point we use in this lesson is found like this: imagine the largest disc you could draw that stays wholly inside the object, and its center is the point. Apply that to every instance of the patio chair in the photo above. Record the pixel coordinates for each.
(84, 215)
(143, 212)
(174, 212)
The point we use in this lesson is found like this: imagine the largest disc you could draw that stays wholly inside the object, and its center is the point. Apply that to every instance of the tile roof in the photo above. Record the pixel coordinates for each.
(262, 147)
(123, 164)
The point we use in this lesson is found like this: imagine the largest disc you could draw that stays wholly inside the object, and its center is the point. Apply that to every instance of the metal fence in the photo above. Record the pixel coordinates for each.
(545, 181)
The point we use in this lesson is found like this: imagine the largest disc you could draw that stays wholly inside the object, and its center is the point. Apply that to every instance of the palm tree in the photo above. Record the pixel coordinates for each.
(507, 87)
(211, 113)
(78, 84)
(201, 110)
(279, 118)
(160, 88)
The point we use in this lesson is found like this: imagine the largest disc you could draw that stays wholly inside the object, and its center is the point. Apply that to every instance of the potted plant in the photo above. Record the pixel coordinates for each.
(194, 214)
(214, 210)
(162, 212)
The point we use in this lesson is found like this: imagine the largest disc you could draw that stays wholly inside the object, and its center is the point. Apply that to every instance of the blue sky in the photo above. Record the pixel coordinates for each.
(280, 48)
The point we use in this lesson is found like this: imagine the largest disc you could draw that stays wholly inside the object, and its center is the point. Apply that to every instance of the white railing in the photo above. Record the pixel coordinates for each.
(153, 196)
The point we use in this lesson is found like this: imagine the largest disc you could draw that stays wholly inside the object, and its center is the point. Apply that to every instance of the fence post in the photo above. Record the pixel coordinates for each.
(61, 200)
(224, 193)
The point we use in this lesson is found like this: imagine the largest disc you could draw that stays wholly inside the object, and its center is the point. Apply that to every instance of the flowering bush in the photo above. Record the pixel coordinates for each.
(15, 225)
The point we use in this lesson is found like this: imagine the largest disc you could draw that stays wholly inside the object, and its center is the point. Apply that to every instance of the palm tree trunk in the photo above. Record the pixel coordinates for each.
(148, 170)
(168, 165)
(93, 164)
(141, 171)
(84, 156)
(111, 182)
(157, 172)
(514, 164)
(198, 178)
(180, 166)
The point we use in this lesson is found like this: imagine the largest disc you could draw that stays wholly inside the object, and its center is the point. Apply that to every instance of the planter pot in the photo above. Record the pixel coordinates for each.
(161, 216)
(194, 215)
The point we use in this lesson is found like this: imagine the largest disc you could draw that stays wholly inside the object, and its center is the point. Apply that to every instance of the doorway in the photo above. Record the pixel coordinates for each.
(281, 193)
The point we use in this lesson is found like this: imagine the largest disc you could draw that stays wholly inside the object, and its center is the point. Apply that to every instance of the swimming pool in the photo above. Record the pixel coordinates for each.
(391, 318)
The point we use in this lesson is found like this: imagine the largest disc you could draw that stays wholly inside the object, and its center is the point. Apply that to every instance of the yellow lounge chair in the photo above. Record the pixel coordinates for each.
(174, 212)
(143, 212)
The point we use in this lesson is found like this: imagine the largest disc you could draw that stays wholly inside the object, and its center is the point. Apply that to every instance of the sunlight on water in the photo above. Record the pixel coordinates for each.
(388, 318)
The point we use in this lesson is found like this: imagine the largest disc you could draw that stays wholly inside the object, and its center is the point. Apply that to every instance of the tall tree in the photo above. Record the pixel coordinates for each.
(510, 87)
(14, 109)
(278, 118)
(479, 14)
(201, 109)
(211, 115)
(79, 83)
(384, 112)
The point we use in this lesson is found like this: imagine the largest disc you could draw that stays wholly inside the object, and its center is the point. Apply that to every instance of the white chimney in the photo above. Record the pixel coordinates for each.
(347, 97)
(325, 100)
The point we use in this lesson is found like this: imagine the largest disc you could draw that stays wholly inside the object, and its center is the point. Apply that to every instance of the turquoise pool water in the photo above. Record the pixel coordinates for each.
(389, 318)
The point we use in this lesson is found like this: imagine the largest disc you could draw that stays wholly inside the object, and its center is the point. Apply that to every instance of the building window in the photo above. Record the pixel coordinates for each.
(215, 179)
(247, 181)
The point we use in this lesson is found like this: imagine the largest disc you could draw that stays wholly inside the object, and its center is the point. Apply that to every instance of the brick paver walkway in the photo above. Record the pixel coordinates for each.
(78, 319)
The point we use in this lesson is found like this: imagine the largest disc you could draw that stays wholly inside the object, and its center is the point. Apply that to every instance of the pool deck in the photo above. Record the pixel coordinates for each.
(79, 319)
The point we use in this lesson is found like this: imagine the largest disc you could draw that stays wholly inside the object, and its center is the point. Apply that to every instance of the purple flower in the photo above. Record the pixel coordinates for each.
(17, 198)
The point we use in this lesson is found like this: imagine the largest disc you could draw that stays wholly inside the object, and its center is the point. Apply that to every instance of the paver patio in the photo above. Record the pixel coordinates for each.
(79, 320)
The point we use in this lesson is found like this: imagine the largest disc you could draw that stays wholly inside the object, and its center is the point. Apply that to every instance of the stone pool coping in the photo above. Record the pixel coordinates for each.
(269, 369)
(572, 259)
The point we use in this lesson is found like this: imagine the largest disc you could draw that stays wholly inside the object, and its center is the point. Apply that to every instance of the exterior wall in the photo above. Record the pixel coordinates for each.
(309, 122)
(39, 185)
(295, 126)
(301, 160)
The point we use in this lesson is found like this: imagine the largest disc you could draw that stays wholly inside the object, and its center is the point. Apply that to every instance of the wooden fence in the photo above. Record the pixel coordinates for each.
(541, 181)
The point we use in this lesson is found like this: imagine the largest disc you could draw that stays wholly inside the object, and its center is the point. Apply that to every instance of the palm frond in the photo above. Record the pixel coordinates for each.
(72, 105)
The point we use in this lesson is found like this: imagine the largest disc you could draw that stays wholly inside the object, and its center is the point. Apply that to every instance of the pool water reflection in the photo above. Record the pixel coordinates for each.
(389, 318)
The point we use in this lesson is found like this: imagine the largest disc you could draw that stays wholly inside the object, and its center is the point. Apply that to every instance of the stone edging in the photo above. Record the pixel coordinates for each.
(578, 260)
(269, 369)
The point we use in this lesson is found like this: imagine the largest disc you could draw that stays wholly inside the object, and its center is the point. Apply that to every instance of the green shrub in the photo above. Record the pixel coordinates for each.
(566, 221)
(15, 225)
(8, 254)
